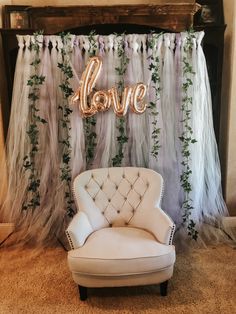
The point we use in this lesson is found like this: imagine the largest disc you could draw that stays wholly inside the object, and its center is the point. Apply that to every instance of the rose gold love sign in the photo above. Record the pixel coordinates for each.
(102, 100)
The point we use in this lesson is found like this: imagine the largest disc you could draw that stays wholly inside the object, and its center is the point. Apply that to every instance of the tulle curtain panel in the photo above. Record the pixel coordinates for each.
(49, 142)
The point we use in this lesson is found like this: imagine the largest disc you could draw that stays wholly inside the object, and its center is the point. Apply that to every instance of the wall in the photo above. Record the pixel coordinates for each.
(228, 112)
(228, 134)
(3, 175)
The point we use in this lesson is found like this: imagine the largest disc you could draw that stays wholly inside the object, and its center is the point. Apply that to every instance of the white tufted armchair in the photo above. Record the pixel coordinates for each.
(120, 236)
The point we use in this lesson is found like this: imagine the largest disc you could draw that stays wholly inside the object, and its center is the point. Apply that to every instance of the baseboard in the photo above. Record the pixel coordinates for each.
(5, 230)
(229, 226)
(229, 222)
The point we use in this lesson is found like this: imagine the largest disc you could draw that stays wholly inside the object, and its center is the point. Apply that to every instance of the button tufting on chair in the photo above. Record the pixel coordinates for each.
(136, 249)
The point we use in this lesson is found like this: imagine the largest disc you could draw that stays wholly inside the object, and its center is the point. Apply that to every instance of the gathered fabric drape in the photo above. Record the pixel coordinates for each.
(49, 219)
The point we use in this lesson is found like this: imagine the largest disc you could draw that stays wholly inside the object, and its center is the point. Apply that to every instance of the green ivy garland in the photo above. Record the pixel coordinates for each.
(154, 67)
(33, 196)
(187, 138)
(65, 112)
(122, 137)
(90, 122)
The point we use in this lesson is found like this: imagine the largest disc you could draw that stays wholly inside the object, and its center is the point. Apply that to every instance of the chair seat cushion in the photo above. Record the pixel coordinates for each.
(120, 251)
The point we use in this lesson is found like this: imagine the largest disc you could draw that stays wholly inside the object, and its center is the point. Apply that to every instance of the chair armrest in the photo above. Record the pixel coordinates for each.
(78, 230)
(157, 222)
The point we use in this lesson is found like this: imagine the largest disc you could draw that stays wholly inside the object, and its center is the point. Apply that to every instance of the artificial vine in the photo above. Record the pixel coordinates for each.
(65, 112)
(90, 122)
(35, 81)
(154, 67)
(187, 138)
(122, 138)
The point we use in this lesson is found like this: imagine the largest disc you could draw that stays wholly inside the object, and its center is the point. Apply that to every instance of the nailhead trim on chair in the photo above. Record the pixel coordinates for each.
(172, 235)
(69, 239)
(173, 228)
(67, 233)
(162, 192)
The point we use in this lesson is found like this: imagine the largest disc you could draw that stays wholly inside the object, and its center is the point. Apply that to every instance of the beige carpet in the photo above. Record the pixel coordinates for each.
(204, 282)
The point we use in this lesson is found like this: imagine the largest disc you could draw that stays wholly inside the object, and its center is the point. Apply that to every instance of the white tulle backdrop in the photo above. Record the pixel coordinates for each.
(50, 217)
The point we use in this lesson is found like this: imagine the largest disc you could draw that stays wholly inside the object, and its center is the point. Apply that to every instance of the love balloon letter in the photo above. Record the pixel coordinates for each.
(91, 102)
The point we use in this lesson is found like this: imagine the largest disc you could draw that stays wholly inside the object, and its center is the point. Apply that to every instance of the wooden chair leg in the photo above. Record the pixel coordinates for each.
(83, 293)
(163, 288)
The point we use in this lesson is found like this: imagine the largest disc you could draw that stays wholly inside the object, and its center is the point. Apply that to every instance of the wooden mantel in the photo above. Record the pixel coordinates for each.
(173, 17)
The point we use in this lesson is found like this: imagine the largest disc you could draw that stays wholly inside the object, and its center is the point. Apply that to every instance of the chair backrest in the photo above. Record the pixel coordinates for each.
(112, 196)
